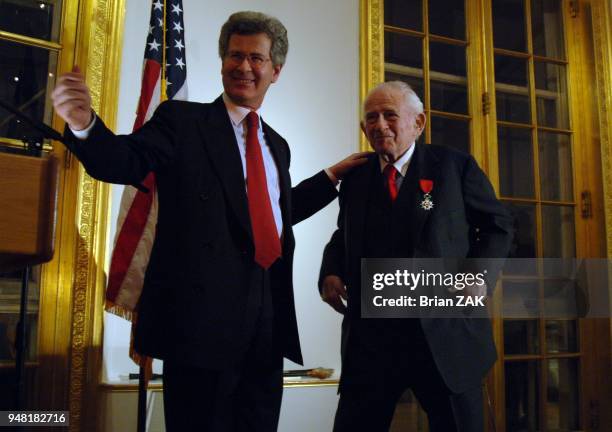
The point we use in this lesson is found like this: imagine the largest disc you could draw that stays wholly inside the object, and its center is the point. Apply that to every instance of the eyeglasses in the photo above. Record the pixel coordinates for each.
(255, 60)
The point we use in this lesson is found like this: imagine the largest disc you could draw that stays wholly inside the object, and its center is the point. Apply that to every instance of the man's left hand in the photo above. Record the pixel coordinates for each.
(342, 168)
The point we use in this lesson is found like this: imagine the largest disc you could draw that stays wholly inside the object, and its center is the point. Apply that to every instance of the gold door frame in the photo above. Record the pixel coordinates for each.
(72, 289)
(602, 38)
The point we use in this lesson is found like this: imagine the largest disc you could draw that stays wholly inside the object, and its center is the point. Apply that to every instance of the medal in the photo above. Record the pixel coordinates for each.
(426, 187)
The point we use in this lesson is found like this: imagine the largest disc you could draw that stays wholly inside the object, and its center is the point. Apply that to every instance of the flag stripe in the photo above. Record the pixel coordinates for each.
(150, 82)
(129, 237)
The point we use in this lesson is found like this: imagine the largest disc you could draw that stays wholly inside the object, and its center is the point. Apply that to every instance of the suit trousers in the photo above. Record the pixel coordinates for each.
(399, 359)
(239, 399)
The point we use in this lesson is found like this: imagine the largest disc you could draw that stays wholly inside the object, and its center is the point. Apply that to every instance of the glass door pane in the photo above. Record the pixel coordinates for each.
(429, 54)
(39, 19)
(27, 76)
(536, 182)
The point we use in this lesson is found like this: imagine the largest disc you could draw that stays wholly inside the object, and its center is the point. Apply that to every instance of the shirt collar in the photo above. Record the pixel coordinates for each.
(237, 113)
(402, 163)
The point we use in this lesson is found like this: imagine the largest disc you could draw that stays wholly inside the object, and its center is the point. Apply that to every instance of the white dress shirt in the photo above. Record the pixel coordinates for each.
(401, 165)
(238, 115)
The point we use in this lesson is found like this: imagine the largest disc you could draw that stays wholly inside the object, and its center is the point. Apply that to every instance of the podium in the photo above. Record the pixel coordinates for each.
(28, 208)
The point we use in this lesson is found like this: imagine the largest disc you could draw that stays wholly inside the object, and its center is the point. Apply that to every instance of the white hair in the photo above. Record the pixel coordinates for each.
(410, 97)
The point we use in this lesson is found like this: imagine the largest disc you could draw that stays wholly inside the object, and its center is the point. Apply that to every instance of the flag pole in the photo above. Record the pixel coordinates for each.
(143, 379)
(142, 401)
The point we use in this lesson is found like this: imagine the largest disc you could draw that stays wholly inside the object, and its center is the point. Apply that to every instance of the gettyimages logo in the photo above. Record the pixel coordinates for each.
(412, 281)
(458, 288)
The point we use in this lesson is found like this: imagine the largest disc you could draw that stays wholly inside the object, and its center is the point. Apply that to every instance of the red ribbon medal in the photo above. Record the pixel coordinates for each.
(426, 187)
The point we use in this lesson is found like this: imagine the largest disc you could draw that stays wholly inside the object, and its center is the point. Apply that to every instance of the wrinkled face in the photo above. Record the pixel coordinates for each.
(247, 69)
(390, 124)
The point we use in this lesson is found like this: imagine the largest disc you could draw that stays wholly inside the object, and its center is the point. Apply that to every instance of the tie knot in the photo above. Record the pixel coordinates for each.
(390, 171)
(252, 120)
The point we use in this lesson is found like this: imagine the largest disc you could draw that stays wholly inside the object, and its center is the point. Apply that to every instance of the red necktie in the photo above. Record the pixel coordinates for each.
(391, 174)
(265, 233)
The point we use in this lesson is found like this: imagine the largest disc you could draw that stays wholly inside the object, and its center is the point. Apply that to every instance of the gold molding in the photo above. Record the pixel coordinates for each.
(26, 40)
(98, 52)
(601, 17)
(371, 52)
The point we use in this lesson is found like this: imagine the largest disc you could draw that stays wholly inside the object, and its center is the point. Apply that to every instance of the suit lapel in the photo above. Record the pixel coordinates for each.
(219, 137)
(423, 166)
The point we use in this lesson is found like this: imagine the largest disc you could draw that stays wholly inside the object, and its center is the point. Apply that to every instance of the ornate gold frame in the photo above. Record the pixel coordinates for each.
(602, 36)
(72, 294)
(371, 52)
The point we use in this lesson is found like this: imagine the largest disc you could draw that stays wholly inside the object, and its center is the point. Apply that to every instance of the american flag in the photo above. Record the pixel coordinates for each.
(138, 211)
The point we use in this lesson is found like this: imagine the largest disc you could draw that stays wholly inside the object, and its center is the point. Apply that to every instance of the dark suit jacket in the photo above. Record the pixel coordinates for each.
(202, 286)
(467, 221)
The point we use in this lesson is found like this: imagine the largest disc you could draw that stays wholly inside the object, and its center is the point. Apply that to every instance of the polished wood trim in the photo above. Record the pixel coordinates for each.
(535, 201)
(450, 115)
(555, 130)
(558, 203)
(26, 40)
(426, 72)
(448, 40)
(418, 73)
(510, 53)
(602, 36)
(601, 330)
(548, 356)
(476, 87)
(514, 125)
(519, 200)
(404, 31)
(540, 58)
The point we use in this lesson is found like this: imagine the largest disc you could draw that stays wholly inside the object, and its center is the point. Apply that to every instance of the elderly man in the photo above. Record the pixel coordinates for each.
(217, 305)
(383, 214)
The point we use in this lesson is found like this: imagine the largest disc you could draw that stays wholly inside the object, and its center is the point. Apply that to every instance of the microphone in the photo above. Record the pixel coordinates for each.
(48, 132)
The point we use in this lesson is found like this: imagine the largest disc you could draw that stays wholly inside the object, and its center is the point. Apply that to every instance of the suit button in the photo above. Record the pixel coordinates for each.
(203, 197)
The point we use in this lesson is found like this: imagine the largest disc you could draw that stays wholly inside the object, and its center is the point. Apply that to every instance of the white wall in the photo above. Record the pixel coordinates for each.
(314, 106)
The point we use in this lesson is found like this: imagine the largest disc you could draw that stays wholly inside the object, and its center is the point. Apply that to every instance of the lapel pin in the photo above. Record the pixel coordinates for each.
(426, 187)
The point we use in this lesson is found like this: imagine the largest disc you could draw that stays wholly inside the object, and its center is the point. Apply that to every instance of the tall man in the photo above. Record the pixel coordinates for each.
(382, 215)
(217, 305)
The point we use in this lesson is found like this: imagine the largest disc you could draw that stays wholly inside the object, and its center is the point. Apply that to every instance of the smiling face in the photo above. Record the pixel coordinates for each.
(390, 123)
(244, 83)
